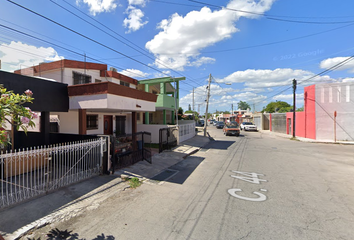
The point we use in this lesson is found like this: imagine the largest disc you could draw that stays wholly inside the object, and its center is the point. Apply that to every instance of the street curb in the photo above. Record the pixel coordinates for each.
(192, 152)
(306, 140)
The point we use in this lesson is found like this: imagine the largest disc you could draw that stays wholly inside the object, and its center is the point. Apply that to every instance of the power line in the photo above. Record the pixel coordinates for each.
(316, 75)
(86, 37)
(69, 50)
(270, 17)
(147, 54)
(277, 42)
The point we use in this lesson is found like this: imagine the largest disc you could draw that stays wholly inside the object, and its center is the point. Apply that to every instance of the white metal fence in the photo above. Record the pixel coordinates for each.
(31, 172)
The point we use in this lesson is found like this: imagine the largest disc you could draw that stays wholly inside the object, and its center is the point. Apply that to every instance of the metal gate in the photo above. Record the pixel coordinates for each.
(28, 173)
(129, 149)
(168, 138)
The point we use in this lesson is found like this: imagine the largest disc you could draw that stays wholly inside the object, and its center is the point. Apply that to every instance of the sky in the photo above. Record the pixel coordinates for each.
(250, 49)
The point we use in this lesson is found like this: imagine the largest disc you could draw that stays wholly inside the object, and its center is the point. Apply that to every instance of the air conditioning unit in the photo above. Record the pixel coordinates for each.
(113, 69)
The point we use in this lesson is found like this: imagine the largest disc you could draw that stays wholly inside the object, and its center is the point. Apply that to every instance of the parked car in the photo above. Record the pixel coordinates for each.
(220, 125)
(248, 126)
(215, 122)
(232, 128)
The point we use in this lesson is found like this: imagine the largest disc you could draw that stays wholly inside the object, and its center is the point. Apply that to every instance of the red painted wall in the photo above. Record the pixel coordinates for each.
(300, 129)
(310, 111)
(306, 120)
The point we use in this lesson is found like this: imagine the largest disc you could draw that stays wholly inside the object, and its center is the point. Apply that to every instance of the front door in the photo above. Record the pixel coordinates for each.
(120, 125)
(108, 125)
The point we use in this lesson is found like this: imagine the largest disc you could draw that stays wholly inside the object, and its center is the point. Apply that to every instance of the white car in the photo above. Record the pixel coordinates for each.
(248, 126)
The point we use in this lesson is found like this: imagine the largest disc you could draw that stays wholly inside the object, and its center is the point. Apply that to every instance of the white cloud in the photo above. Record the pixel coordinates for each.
(330, 62)
(299, 96)
(134, 73)
(289, 98)
(347, 80)
(98, 6)
(17, 55)
(137, 2)
(183, 37)
(270, 78)
(134, 21)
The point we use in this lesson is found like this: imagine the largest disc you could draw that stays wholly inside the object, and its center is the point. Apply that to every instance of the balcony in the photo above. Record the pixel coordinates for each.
(165, 102)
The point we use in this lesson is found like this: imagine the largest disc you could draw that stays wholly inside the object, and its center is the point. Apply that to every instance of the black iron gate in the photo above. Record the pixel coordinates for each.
(129, 149)
(167, 138)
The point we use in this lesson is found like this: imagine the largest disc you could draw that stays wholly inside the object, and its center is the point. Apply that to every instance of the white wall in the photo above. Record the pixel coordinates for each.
(69, 121)
(334, 97)
(186, 130)
(110, 101)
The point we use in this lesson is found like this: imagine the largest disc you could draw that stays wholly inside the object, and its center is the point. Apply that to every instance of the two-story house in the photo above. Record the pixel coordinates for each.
(100, 101)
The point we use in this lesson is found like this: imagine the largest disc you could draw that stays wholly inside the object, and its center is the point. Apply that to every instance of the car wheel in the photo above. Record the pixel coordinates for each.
(237, 135)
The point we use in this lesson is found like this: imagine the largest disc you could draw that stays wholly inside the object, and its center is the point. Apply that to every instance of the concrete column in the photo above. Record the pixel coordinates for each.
(82, 122)
(162, 88)
(147, 121)
(173, 117)
(164, 116)
(134, 130)
(147, 113)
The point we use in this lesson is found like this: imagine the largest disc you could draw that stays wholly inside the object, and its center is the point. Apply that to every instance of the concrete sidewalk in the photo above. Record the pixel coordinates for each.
(75, 199)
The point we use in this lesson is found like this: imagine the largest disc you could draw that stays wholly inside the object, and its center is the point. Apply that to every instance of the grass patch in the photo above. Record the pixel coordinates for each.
(294, 138)
(151, 145)
(134, 182)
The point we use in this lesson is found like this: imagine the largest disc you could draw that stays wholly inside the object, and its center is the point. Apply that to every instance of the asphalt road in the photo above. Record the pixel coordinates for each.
(256, 186)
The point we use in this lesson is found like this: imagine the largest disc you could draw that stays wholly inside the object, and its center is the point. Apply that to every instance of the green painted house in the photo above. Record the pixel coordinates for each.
(167, 99)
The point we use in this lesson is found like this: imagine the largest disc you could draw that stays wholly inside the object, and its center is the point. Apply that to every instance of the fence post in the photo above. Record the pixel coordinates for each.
(101, 158)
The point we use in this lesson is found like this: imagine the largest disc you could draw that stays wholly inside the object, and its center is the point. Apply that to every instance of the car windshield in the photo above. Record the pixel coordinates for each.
(232, 126)
(220, 122)
(247, 123)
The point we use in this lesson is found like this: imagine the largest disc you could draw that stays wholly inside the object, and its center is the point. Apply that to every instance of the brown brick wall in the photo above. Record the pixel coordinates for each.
(118, 76)
(111, 88)
(65, 63)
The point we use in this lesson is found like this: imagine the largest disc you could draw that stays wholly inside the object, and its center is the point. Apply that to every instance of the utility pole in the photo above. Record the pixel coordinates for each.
(193, 99)
(207, 104)
(232, 111)
(294, 105)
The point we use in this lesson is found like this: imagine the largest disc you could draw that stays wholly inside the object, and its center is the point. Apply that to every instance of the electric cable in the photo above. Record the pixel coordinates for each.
(147, 55)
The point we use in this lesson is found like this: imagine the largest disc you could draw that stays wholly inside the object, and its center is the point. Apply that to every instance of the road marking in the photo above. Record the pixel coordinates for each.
(261, 197)
(250, 177)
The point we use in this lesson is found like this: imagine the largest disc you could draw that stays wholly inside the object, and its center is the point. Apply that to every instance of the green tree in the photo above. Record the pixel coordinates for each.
(243, 105)
(13, 112)
(277, 106)
(300, 109)
(180, 110)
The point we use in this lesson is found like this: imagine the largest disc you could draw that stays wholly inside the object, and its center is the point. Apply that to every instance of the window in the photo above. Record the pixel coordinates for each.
(80, 78)
(339, 92)
(154, 92)
(91, 122)
(124, 83)
(138, 116)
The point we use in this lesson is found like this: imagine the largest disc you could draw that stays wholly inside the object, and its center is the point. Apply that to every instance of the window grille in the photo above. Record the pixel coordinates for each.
(91, 122)
(80, 78)
(124, 83)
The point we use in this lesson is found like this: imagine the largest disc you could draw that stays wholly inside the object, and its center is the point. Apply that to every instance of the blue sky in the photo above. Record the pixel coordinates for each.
(252, 48)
